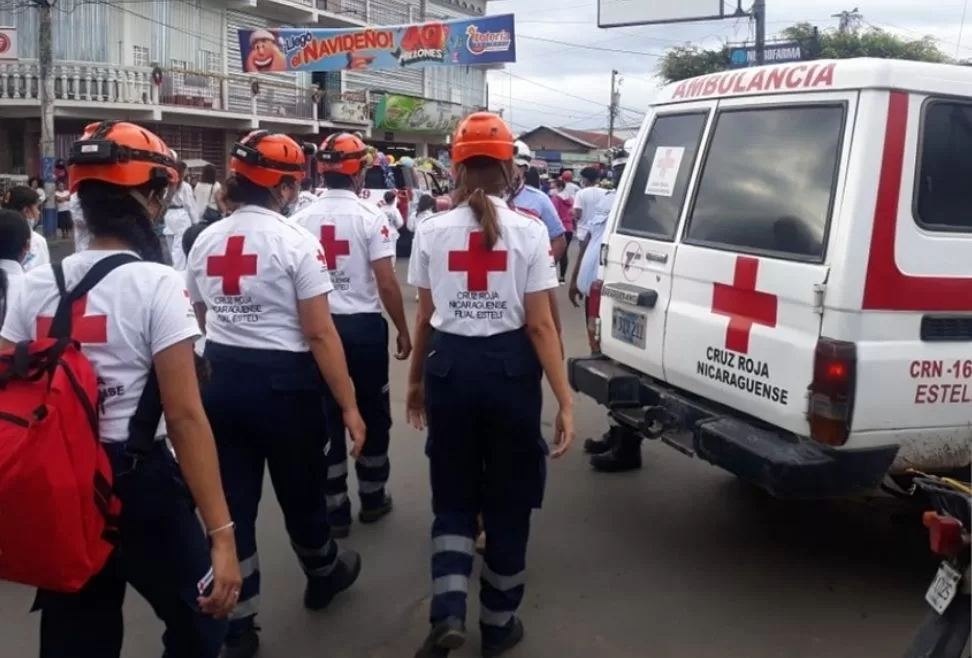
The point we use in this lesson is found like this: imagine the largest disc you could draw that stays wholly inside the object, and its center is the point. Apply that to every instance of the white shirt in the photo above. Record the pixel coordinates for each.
(63, 199)
(586, 202)
(38, 254)
(81, 234)
(478, 292)
(205, 196)
(353, 234)
(595, 227)
(181, 213)
(250, 269)
(304, 199)
(134, 313)
(571, 189)
(15, 282)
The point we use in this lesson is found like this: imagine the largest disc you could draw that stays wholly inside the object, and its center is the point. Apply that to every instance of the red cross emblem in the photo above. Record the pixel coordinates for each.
(88, 329)
(477, 263)
(667, 163)
(232, 265)
(743, 304)
(384, 231)
(332, 246)
(321, 257)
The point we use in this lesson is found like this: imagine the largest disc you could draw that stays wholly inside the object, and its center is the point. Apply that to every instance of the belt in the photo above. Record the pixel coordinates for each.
(176, 208)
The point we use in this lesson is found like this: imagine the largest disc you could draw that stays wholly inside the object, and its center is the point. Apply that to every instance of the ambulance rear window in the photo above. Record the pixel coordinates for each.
(768, 180)
(944, 187)
(661, 176)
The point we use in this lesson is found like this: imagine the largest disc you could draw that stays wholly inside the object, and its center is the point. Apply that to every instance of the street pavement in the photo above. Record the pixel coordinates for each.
(679, 560)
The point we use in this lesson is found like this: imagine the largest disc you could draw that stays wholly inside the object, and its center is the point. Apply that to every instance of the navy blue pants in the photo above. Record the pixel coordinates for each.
(265, 409)
(365, 339)
(162, 552)
(486, 454)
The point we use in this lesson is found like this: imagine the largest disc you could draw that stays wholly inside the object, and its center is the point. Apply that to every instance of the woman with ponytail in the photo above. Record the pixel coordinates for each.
(27, 201)
(484, 338)
(136, 328)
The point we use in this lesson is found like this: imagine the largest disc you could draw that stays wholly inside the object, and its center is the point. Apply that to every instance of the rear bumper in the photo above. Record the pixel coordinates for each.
(785, 465)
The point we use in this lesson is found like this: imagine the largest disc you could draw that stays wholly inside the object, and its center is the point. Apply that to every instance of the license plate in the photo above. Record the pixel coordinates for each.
(629, 327)
(943, 588)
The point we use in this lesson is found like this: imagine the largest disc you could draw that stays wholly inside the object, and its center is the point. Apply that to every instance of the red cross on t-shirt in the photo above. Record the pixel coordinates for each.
(477, 263)
(232, 265)
(332, 246)
(666, 163)
(743, 304)
(86, 329)
(384, 231)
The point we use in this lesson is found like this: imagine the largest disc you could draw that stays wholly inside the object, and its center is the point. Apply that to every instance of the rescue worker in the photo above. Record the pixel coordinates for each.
(14, 245)
(485, 336)
(617, 450)
(120, 172)
(180, 214)
(528, 198)
(27, 201)
(260, 287)
(360, 249)
(306, 195)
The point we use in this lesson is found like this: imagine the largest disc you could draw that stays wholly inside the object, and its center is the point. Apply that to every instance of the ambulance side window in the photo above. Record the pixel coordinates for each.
(767, 183)
(943, 194)
(661, 176)
(375, 179)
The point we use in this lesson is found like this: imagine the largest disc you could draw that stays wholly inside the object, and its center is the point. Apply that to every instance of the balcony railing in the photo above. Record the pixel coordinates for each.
(133, 86)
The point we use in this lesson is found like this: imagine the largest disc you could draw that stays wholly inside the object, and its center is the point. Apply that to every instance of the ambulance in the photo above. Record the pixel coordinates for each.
(786, 281)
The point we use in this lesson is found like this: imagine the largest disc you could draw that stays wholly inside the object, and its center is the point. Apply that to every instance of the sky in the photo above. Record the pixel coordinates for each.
(562, 75)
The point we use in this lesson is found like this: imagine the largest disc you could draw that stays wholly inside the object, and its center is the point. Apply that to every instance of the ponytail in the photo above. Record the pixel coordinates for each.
(486, 216)
(111, 211)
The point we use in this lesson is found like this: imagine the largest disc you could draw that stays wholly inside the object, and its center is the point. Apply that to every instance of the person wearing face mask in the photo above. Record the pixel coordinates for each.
(260, 287)
(138, 339)
(27, 202)
(14, 244)
(359, 246)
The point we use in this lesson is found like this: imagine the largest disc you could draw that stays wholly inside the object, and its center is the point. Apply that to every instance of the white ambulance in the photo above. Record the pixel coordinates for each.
(787, 278)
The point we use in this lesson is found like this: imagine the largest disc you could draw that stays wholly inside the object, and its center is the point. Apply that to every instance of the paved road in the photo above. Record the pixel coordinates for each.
(677, 561)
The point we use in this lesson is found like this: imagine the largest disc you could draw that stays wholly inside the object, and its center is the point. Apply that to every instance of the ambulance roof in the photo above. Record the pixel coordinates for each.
(823, 75)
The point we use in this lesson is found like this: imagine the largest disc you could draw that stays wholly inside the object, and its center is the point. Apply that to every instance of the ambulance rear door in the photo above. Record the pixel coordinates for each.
(639, 249)
(746, 308)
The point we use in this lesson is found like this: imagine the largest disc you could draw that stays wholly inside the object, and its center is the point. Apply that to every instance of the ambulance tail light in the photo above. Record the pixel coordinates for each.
(592, 310)
(944, 534)
(832, 391)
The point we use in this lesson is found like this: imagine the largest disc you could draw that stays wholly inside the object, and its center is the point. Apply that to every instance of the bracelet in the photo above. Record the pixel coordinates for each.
(228, 526)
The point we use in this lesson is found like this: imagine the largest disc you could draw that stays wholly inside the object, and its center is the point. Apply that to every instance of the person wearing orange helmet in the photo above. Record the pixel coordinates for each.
(260, 287)
(359, 246)
(484, 338)
(137, 333)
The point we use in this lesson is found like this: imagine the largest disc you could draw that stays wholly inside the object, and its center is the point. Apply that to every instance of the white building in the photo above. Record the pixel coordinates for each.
(105, 54)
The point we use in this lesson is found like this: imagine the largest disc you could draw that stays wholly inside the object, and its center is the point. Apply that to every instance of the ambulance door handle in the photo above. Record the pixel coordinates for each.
(632, 295)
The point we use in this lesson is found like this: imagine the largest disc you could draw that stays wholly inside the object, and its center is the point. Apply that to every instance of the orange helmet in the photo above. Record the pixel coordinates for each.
(342, 153)
(482, 134)
(120, 153)
(267, 158)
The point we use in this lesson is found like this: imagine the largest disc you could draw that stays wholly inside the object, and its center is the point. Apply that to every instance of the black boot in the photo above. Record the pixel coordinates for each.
(600, 446)
(241, 640)
(445, 636)
(511, 640)
(375, 514)
(320, 591)
(625, 456)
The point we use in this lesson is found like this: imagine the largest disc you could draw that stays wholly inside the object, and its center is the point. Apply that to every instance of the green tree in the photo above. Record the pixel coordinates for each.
(688, 61)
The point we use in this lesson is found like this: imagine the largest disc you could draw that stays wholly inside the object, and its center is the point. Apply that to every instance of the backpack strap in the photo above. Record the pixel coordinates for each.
(145, 422)
(61, 324)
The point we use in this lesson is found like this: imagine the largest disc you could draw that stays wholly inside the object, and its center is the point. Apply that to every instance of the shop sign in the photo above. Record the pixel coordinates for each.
(418, 115)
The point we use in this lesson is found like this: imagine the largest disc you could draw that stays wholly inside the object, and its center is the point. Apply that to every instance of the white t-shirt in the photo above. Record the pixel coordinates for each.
(38, 254)
(205, 196)
(304, 199)
(478, 292)
(134, 313)
(15, 282)
(250, 269)
(63, 198)
(353, 234)
(571, 189)
(585, 202)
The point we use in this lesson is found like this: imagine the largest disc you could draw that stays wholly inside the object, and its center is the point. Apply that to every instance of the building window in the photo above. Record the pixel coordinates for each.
(209, 61)
(179, 64)
(141, 56)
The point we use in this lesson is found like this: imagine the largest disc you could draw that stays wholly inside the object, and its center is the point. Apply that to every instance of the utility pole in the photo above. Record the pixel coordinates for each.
(45, 54)
(613, 107)
(759, 17)
(850, 21)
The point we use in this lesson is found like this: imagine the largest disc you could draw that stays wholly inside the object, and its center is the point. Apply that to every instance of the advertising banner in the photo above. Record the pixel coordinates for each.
(8, 44)
(409, 114)
(741, 57)
(460, 42)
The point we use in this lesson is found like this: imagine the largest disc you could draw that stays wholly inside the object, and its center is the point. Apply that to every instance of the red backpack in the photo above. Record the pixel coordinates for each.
(59, 516)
